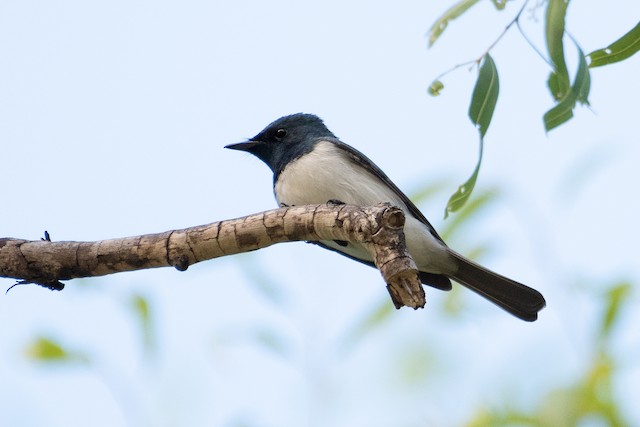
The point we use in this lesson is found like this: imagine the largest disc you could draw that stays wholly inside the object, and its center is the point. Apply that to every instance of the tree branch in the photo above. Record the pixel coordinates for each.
(377, 228)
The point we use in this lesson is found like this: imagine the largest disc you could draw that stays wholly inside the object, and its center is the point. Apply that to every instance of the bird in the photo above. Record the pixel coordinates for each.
(311, 165)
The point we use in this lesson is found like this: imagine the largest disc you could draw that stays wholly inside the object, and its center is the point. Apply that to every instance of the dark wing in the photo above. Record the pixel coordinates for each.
(361, 160)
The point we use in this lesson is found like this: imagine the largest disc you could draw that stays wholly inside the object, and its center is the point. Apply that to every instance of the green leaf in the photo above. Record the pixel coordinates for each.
(559, 114)
(616, 296)
(617, 51)
(452, 13)
(485, 95)
(563, 111)
(585, 87)
(483, 103)
(142, 311)
(460, 197)
(499, 4)
(554, 32)
(141, 307)
(435, 88)
(44, 349)
(554, 85)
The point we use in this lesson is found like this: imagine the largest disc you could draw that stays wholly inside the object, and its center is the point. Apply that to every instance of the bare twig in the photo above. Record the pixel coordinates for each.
(515, 20)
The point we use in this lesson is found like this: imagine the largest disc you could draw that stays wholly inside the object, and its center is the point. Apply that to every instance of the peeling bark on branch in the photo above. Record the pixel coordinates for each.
(378, 228)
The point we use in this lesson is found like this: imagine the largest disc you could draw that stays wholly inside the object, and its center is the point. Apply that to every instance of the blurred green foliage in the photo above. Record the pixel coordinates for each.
(141, 311)
(46, 349)
(591, 399)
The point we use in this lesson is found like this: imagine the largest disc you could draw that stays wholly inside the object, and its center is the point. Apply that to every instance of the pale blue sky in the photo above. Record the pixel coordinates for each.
(113, 116)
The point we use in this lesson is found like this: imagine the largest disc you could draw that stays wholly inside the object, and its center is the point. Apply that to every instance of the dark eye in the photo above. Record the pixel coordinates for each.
(281, 133)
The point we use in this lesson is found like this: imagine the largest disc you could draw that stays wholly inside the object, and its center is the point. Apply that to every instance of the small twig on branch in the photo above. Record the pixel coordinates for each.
(377, 228)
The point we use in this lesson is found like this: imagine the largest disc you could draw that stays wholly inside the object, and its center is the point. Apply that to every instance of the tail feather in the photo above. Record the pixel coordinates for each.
(516, 298)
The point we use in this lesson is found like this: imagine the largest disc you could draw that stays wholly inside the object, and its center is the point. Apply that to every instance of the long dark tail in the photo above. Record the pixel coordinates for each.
(516, 298)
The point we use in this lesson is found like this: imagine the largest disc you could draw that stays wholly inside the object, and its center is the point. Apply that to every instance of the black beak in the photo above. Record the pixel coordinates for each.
(243, 146)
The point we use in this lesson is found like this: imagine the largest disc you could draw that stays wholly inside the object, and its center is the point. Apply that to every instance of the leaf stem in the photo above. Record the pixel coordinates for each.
(534, 47)
(477, 61)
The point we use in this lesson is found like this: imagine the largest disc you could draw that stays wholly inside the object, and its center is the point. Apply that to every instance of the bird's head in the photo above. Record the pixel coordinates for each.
(285, 140)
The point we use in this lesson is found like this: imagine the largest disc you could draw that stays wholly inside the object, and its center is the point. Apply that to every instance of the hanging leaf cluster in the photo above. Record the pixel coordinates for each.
(567, 91)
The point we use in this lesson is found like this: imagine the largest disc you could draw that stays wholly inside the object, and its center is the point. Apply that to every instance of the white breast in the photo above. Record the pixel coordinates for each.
(326, 174)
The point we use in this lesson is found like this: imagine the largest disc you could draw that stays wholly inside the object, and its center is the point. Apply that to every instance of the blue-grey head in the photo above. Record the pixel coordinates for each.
(285, 140)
